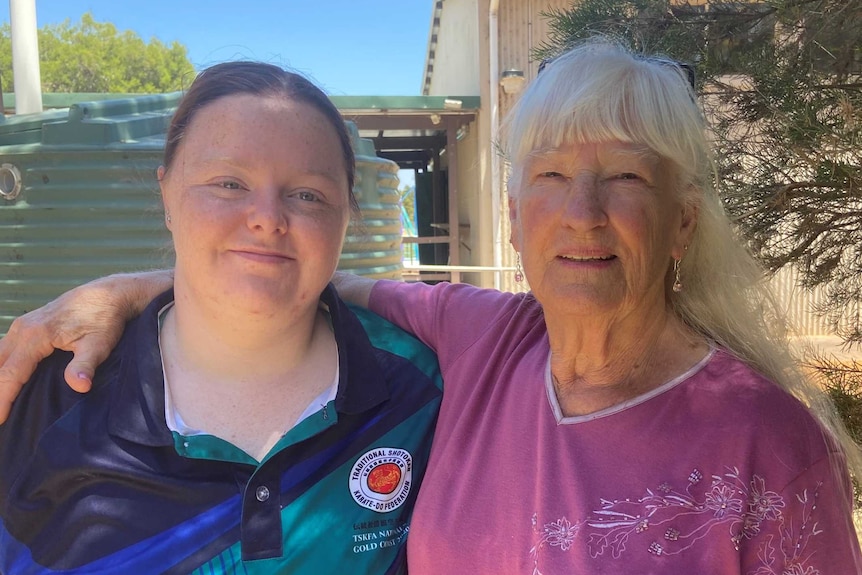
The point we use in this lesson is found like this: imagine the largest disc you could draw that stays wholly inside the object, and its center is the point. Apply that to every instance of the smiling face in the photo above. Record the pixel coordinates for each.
(258, 199)
(597, 226)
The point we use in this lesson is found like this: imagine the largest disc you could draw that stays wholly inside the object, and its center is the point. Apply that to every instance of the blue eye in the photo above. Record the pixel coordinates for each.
(550, 175)
(230, 185)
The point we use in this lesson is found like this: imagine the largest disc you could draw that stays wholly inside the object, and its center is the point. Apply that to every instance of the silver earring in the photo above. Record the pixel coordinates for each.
(677, 284)
(168, 217)
(519, 272)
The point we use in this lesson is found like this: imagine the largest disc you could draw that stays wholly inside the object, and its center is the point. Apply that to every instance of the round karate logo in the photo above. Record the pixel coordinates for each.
(381, 479)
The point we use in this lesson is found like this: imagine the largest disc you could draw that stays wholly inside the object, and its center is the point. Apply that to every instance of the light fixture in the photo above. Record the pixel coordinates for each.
(512, 81)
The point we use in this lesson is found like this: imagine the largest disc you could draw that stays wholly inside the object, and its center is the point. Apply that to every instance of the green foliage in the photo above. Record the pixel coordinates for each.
(846, 393)
(842, 382)
(781, 84)
(408, 200)
(95, 57)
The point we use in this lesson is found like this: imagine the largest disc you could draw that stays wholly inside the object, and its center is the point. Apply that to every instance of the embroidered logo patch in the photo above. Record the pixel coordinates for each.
(381, 479)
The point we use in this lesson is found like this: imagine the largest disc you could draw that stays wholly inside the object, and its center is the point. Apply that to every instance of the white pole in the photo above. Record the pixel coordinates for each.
(25, 57)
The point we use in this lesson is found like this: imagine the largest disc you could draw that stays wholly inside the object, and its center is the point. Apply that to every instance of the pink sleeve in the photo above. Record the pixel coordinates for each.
(410, 306)
(446, 317)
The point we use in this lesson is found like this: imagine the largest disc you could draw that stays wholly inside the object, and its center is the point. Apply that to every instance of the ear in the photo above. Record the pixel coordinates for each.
(688, 224)
(515, 225)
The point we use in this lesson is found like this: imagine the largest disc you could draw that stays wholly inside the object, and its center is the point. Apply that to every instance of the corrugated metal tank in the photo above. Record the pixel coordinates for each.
(373, 244)
(79, 199)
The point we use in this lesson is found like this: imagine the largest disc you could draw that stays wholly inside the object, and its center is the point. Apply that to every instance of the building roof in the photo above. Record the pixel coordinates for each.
(409, 130)
(432, 46)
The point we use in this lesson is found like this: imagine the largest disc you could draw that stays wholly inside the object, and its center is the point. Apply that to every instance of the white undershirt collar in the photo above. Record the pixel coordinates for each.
(174, 419)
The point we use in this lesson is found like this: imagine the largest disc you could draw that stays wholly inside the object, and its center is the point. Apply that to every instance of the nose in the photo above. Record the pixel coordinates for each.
(266, 212)
(584, 207)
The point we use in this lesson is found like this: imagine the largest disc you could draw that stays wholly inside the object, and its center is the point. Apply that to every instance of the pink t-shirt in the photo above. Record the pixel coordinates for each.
(718, 471)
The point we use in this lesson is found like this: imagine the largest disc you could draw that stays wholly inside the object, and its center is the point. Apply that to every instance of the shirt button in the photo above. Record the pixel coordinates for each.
(262, 493)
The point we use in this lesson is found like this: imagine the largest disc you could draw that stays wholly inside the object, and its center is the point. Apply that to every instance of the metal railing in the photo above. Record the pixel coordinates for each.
(424, 272)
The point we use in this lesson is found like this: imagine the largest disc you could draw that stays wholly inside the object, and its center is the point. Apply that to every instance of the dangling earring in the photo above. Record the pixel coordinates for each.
(519, 272)
(677, 284)
(167, 216)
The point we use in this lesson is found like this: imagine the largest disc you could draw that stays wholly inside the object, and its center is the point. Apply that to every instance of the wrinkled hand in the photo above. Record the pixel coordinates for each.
(87, 321)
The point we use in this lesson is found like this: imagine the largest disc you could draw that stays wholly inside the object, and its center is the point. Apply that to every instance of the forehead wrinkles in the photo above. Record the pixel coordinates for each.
(637, 152)
(640, 153)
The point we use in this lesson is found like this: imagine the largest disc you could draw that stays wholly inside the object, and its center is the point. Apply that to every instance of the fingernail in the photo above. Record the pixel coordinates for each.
(84, 376)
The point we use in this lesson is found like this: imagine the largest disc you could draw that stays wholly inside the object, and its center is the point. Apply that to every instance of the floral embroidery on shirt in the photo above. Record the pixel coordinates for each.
(723, 500)
(790, 558)
(764, 504)
(670, 520)
(560, 534)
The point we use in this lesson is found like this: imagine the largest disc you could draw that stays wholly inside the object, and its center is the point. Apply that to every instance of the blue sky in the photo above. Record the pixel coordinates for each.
(349, 47)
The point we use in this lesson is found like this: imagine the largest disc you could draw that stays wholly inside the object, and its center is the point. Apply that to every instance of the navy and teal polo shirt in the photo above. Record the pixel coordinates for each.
(97, 483)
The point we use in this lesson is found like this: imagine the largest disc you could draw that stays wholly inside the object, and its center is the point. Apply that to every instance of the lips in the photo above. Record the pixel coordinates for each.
(587, 258)
(261, 255)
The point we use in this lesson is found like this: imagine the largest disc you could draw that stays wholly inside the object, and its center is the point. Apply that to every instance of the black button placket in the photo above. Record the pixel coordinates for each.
(261, 515)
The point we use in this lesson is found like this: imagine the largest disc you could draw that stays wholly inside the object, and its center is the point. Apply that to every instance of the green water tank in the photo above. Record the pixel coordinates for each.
(79, 199)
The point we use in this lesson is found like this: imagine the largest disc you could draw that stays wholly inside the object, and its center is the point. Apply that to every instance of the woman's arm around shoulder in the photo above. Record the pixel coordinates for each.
(352, 288)
(87, 321)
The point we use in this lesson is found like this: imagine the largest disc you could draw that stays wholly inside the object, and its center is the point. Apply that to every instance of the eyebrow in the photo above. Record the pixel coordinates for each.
(331, 175)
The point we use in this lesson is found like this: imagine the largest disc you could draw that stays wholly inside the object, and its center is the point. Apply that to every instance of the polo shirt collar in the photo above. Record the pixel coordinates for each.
(138, 409)
(362, 383)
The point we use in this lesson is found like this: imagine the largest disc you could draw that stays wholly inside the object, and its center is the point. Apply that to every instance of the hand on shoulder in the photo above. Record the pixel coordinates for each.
(87, 321)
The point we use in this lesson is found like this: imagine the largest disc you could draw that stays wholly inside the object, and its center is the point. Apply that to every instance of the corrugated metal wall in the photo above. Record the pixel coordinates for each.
(89, 202)
(522, 29)
(81, 215)
(373, 245)
(802, 305)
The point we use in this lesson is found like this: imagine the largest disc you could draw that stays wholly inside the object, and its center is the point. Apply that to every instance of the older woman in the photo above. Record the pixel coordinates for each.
(635, 412)
(631, 414)
(247, 421)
